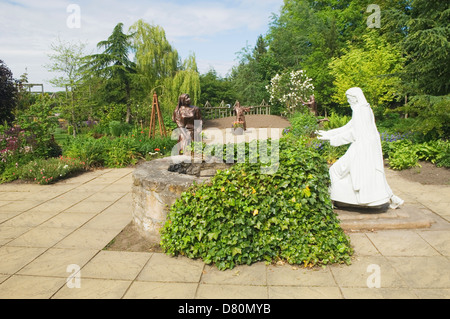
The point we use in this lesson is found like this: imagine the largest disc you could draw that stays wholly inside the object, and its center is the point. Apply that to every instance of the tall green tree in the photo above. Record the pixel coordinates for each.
(186, 80)
(307, 34)
(115, 66)
(215, 89)
(8, 94)
(66, 60)
(156, 59)
(253, 73)
(427, 45)
(157, 62)
(375, 67)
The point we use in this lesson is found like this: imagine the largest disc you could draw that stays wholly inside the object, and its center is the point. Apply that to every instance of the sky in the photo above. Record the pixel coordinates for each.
(215, 31)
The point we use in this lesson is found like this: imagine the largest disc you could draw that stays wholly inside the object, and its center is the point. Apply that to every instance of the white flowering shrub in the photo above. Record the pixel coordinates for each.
(289, 88)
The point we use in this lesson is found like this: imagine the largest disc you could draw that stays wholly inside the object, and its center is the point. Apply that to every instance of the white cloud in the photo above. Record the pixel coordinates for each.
(207, 18)
(29, 27)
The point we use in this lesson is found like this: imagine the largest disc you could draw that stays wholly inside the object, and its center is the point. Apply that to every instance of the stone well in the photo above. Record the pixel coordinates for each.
(155, 189)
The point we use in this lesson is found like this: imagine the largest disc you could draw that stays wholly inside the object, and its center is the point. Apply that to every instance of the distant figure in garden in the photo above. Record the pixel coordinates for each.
(240, 113)
(358, 177)
(185, 116)
(312, 105)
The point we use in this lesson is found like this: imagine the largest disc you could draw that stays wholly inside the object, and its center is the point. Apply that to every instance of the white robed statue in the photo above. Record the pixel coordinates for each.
(358, 177)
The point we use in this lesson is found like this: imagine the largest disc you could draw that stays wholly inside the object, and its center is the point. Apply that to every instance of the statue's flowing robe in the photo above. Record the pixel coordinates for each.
(358, 177)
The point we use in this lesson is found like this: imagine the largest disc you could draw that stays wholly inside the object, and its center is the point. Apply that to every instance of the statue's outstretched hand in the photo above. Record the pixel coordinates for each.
(322, 135)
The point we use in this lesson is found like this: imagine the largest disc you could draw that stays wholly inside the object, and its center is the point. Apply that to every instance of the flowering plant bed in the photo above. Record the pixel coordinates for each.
(47, 171)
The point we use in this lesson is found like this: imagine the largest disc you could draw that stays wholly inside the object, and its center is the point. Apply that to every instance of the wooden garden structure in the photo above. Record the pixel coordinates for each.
(209, 112)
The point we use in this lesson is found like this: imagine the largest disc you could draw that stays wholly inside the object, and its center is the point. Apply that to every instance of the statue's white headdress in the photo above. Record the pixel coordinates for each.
(358, 95)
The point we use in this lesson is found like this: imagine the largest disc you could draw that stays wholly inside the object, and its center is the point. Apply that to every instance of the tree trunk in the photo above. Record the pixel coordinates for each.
(406, 102)
(128, 118)
(73, 112)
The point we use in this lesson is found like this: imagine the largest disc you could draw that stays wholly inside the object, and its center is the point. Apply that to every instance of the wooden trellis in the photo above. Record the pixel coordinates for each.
(156, 112)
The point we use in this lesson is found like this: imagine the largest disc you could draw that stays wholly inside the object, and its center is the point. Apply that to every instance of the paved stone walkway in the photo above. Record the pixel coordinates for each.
(47, 233)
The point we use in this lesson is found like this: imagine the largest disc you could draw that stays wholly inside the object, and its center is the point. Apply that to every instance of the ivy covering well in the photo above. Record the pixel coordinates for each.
(244, 216)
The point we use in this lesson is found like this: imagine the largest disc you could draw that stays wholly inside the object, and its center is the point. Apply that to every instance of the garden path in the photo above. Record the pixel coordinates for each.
(48, 233)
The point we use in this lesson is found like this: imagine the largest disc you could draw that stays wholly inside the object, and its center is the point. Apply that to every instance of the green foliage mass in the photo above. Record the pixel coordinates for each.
(122, 151)
(375, 68)
(303, 123)
(432, 115)
(403, 154)
(243, 216)
(335, 121)
(427, 46)
(215, 89)
(8, 94)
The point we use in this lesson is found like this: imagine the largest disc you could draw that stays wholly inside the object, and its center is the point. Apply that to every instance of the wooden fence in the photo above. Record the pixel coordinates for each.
(209, 112)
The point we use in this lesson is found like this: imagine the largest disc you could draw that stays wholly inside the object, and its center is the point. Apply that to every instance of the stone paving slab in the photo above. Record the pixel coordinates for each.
(30, 287)
(45, 229)
(88, 239)
(208, 291)
(163, 268)
(94, 289)
(161, 290)
(382, 293)
(286, 292)
(116, 265)
(55, 261)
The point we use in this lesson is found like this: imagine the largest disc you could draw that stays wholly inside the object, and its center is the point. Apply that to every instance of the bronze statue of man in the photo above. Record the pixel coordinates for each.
(240, 113)
(312, 105)
(185, 115)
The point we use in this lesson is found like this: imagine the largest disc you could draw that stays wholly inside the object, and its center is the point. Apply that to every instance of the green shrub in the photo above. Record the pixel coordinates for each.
(38, 125)
(15, 151)
(330, 153)
(428, 151)
(443, 158)
(8, 173)
(303, 124)
(115, 128)
(403, 157)
(404, 154)
(163, 145)
(243, 216)
(121, 152)
(47, 171)
(389, 148)
(118, 129)
(335, 121)
(89, 150)
(115, 152)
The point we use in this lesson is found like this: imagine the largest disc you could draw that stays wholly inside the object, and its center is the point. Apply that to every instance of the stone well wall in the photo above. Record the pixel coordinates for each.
(155, 189)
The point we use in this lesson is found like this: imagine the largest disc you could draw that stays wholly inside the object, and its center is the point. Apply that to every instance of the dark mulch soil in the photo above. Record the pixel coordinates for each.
(427, 174)
(253, 121)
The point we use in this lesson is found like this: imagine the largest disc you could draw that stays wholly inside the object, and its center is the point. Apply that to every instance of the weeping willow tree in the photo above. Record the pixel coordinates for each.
(156, 60)
(160, 68)
(186, 80)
